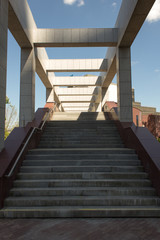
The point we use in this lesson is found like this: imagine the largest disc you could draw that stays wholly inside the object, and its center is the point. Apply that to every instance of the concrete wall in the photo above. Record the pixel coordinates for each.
(3, 65)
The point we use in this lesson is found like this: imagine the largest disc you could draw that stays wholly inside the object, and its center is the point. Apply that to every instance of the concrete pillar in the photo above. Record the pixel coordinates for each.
(3, 65)
(99, 107)
(50, 95)
(27, 86)
(61, 108)
(124, 86)
(104, 91)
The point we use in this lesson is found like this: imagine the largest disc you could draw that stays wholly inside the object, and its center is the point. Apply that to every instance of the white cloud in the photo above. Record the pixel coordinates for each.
(154, 14)
(114, 4)
(133, 63)
(157, 70)
(71, 2)
(80, 3)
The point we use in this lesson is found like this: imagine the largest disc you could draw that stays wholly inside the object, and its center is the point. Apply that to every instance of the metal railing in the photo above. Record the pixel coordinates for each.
(28, 140)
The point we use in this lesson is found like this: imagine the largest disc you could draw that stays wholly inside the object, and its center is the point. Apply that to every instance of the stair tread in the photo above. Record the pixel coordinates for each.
(81, 197)
(82, 188)
(86, 149)
(58, 208)
(95, 166)
(85, 180)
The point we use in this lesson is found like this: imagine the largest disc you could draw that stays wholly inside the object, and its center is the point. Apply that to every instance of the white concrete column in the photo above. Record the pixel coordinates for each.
(124, 85)
(27, 86)
(99, 108)
(50, 95)
(104, 92)
(3, 65)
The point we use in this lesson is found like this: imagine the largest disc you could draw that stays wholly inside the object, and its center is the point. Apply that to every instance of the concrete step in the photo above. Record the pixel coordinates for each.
(88, 127)
(90, 124)
(77, 145)
(84, 157)
(84, 138)
(81, 135)
(83, 175)
(81, 162)
(82, 128)
(81, 201)
(79, 116)
(83, 131)
(64, 169)
(75, 118)
(80, 212)
(82, 183)
(72, 124)
(82, 191)
(77, 151)
(52, 141)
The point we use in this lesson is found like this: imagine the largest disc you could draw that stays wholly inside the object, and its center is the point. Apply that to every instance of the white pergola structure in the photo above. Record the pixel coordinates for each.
(80, 93)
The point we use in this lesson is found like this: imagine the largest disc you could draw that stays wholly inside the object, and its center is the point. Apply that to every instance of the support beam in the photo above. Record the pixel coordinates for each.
(51, 76)
(71, 99)
(99, 107)
(77, 65)
(124, 88)
(27, 86)
(41, 59)
(80, 109)
(78, 105)
(3, 65)
(21, 23)
(50, 95)
(78, 81)
(129, 22)
(104, 94)
(91, 37)
(78, 91)
(23, 28)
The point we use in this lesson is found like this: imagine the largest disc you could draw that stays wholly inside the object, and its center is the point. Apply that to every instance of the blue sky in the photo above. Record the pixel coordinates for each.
(89, 14)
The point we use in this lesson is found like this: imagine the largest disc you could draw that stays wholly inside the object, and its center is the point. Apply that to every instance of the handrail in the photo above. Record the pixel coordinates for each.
(26, 143)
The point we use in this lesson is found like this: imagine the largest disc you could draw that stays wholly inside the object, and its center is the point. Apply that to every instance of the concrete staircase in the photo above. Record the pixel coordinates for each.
(81, 169)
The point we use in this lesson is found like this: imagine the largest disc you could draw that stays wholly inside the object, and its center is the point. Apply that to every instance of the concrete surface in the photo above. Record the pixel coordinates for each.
(77, 65)
(80, 37)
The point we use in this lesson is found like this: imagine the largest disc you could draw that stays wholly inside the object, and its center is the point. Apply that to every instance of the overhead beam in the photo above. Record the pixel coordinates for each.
(41, 58)
(78, 104)
(78, 91)
(23, 28)
(70, 99)
(81, 109)
(21, 23)
(131, 17)
(89, 37)
(78, 81)
(77, 65)
(50, 77)
(76, 111)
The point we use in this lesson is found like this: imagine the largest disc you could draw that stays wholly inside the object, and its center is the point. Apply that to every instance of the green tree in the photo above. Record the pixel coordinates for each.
(7, 100)
(11, 118)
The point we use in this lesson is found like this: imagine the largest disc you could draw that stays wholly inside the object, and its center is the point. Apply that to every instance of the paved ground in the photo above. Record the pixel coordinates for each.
(80, 229)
